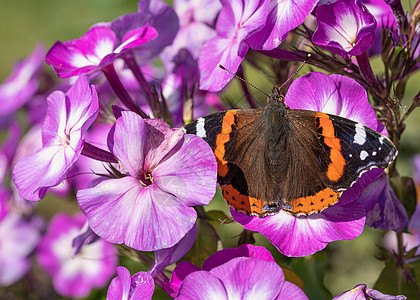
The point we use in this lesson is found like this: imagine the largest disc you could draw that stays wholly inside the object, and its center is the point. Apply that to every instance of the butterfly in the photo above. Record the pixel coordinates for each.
(299, 161)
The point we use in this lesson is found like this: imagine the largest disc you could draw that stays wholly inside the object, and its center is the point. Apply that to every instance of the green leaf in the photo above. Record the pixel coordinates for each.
(312, 270)
(206, 243)
(392, 282)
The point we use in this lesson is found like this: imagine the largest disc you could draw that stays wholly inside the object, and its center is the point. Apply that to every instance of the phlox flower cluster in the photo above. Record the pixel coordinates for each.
(108, 139)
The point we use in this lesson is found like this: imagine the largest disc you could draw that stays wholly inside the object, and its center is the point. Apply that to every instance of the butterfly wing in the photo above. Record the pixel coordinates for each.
(332, 153)
(237, 139)
(302, 166)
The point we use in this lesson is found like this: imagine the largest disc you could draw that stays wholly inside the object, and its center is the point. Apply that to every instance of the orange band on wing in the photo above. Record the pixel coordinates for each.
(336, 167)
(313, 204)
(247, 204)
(221, 139)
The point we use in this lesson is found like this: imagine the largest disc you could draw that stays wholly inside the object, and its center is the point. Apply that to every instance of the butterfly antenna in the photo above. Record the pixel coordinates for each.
(295, 72)
(240, 78)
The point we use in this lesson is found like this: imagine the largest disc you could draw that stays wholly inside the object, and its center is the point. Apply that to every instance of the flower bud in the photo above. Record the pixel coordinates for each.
(397, 60)
(388, 43)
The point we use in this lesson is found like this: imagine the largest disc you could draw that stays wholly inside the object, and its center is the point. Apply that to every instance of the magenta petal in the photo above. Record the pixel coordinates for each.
(182, 270)
(119, 288)
(146, 219)
(109, 207)
(161, 143)
(283, 16)
(22, 84)
(245, 277)
(344, 28)
(225, 255)
(334, 94)
(124, 287)
(338, 222)
(217, 51)
(50, 162)
(202, 285)
(137, 37)
(75, 275)
(383, 209)
(291, 291)
(190, 173)
(69, 116)
(292, 236)
(18, 239)
(80, 56)
(143, 286)
(128, 142)
(301, 236)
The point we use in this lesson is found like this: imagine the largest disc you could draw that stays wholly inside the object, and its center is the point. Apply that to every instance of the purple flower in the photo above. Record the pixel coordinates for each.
(140, 286)
(18, 238)
(22, 84)
(412, 238)
(383, 209)
(305, 235)
(361, 292)
(75, 275)
(95, 50)
(68, 117)
(166, 173)
(233, 274)
(196, 20)
(236, 22)
(259, 24)
(384, 17)
(282, 17)
(344, 28)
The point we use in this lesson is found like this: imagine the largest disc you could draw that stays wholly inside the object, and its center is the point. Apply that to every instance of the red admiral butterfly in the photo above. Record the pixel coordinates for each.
(296, 160)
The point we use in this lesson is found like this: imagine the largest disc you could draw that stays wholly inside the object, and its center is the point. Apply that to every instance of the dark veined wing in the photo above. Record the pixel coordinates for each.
(335, 152)
(237, 139)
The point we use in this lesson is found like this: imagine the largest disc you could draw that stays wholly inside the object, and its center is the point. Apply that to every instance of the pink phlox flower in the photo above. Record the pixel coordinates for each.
(164, 173)
(68, 117)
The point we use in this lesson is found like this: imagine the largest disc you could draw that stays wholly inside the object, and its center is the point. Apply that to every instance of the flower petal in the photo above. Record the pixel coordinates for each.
(383, 209)
(202, 285)
(283, 16)
(119, 288)
(291, 291)
(51, 162)
(302, 236)
(335, 94)
(225, 255)
(245, 277)
(182, 270)
(82, 55)
(223, 51)
(190, 173)
(146, 219)
(128, 138)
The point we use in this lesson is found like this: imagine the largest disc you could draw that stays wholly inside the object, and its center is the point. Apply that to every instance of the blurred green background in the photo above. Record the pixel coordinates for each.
(26, 23)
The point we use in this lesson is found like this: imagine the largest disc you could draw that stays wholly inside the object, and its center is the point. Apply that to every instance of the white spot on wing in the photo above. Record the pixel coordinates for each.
(363, 155)
(360, 136)
(374, 153)
(201, 132)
